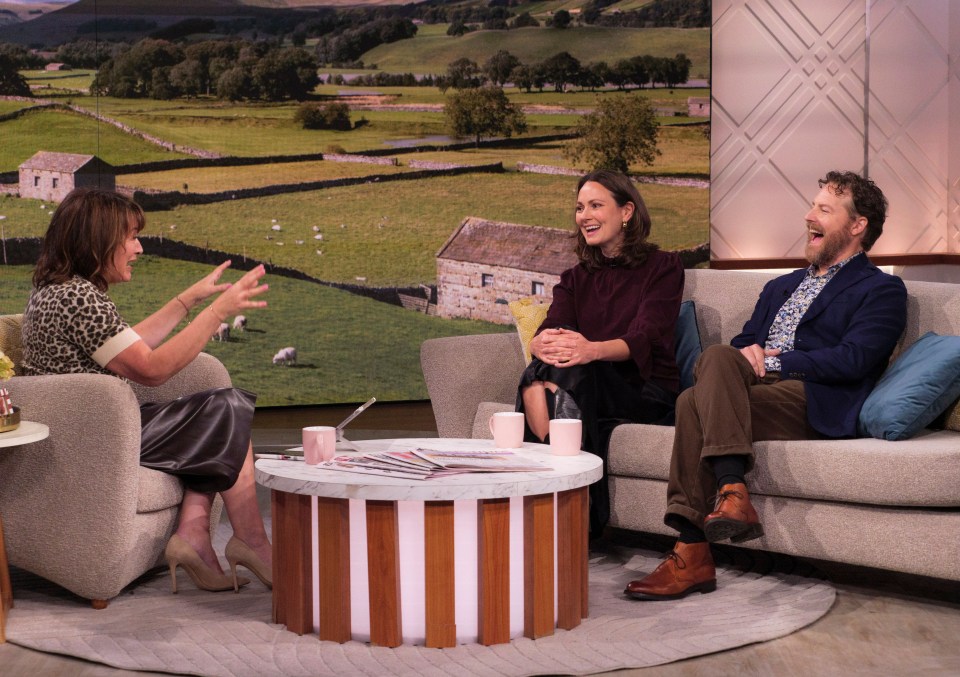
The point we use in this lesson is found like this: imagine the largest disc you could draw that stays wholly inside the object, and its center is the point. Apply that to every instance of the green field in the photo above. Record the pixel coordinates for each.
(432, 53)
(72, 133)
(349, 348)
(391, 231)
(215, 179)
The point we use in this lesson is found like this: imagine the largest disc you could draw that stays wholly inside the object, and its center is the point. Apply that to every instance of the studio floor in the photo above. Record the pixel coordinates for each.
(882, 623)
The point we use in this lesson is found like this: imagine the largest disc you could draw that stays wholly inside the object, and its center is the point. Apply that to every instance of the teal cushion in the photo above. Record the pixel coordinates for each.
(914, 390)
(687, 343)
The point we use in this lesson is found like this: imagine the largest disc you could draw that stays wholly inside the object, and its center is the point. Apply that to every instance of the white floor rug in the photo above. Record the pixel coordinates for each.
(759, 597)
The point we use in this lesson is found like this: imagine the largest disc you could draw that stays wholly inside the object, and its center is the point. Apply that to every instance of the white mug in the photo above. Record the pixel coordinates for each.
(319, 443)
(565, 436)
(507, 429)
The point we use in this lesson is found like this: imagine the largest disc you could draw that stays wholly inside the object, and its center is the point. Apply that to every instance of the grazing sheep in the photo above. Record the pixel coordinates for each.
(298, 241)
(222, 333)
(240, 322)
(275, 227)
(316, 229)
(286, 356)
(318, 236)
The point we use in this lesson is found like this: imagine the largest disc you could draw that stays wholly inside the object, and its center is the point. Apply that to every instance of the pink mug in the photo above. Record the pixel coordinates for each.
(507, 430)
(319, 443)
(565, 436)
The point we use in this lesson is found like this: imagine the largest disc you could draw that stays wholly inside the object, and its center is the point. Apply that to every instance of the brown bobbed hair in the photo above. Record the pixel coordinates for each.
(635, 247)
(85, 231)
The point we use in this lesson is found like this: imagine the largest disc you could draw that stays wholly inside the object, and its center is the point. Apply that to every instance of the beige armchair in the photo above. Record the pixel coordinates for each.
(77, 507)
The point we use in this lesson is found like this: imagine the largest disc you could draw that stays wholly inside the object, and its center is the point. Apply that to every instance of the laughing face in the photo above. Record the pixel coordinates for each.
(833, 233)
(600, 219)
(121, 265)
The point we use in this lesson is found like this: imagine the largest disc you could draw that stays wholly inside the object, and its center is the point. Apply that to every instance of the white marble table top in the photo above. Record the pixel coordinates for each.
(566, 472)
(29, 431)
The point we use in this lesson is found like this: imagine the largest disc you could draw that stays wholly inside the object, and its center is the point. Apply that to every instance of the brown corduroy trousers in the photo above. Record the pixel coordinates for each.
(723, 413)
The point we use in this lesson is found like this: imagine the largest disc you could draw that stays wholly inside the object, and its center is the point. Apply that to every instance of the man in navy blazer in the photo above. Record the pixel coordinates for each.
(817, 342)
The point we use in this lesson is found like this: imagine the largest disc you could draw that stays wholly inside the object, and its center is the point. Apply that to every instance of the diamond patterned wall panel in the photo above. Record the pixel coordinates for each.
(803, 86)
(788, 92)
(908, 111)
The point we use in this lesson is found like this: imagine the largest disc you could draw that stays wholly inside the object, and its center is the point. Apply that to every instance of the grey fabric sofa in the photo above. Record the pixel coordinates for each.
(892, 505)
(77, 507)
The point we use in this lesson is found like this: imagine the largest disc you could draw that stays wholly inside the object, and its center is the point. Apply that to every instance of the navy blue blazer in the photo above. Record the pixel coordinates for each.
(843, 342)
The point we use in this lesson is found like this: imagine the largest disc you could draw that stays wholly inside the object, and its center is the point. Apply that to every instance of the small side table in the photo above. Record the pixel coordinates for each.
(28, 432)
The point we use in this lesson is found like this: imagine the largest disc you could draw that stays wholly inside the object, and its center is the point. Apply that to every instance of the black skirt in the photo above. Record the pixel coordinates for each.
(607, 394)
(202, 438)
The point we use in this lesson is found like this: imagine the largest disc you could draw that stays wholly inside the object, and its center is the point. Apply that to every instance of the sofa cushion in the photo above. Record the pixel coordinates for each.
(157, 490)
(924, 471)
(528, 314)
(687, 344)
(10, 342)
(914, 390)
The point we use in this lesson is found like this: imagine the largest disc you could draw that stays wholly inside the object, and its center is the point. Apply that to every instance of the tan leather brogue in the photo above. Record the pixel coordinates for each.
(733, 516)
(687, 568)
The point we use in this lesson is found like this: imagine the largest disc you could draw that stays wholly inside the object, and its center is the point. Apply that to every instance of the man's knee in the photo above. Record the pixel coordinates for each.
(719, 353)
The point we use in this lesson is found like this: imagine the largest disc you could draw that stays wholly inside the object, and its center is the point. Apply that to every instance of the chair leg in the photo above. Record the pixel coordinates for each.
(6, 592)
(99, 604)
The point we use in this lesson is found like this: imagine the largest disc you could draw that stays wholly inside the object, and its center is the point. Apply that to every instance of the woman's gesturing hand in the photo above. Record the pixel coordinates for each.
(241, 294)
(204, 288)
(563, 348)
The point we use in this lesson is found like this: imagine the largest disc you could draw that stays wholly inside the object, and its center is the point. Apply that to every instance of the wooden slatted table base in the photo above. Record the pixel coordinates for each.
(439, 583)
(333, 565)
(292, 561)
(293, 578)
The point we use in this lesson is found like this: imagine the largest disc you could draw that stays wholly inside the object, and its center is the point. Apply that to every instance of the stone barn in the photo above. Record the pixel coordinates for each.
(698, 106)
(486, 264)
(50, 176)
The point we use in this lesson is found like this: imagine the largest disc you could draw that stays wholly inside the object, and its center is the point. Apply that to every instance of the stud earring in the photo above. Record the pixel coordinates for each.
(623, 225)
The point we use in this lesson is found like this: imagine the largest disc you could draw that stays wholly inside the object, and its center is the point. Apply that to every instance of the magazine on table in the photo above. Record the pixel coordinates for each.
(427, 463)
(362, 464)
(480, 461)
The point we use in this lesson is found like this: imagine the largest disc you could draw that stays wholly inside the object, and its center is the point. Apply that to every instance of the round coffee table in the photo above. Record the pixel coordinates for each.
(28, 431)
(475, 557)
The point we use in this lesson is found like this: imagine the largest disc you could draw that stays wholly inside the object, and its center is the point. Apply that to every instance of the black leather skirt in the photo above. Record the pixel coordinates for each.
(202, 438)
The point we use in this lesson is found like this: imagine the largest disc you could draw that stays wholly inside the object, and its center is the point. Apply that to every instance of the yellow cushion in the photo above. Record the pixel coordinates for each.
(528, 314)
(10, 337)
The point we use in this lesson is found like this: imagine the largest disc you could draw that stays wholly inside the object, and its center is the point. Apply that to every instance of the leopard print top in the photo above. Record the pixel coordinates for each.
(72, 328)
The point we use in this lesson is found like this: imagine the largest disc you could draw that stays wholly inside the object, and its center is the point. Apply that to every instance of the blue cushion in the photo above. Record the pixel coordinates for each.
(687, 343)
(914, 390)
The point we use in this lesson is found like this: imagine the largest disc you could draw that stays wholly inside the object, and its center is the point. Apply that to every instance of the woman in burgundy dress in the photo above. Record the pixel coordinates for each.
(605, 352)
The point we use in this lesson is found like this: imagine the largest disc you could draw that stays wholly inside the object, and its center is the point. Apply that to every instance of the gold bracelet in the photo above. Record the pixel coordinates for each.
(214, 312)
(182, 303)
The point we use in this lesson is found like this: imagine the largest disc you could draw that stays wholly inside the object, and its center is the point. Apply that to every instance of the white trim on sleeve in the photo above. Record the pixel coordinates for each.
(115, 346)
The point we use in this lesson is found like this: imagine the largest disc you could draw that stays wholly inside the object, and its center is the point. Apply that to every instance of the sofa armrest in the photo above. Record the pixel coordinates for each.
(205, 372)
(73, 495)
(463, 371)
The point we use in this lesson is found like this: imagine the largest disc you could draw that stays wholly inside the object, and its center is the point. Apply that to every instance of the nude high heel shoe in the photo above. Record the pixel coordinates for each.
(239, 553)
(180, 553)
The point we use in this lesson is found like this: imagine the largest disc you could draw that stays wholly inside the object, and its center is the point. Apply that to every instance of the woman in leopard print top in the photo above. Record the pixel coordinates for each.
(71, 326)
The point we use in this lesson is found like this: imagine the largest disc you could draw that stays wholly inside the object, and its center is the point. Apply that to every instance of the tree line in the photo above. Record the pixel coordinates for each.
(228, 69)
(563, 69)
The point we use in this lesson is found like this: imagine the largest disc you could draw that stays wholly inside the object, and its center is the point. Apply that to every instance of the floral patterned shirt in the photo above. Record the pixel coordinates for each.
(783, 331)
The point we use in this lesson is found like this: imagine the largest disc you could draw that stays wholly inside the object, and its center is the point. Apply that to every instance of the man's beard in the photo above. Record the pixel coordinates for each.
(830, 247)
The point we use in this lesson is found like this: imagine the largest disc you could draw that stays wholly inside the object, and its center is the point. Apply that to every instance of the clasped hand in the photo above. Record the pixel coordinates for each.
(562, 348)
(755, 355)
